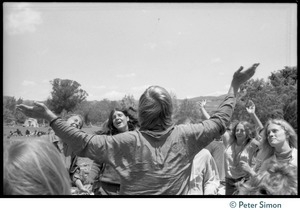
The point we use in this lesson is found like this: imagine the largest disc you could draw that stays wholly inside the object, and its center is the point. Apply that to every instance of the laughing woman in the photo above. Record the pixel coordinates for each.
(105, 179)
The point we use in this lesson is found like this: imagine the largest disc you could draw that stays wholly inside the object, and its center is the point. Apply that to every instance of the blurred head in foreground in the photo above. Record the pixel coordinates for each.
(33, 167)
(278, 179)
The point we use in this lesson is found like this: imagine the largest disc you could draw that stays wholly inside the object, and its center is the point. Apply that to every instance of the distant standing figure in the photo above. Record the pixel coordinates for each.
(27, 133)
(19, 133)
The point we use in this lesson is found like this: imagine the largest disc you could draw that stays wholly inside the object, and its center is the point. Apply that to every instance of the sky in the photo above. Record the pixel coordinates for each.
(118, 49)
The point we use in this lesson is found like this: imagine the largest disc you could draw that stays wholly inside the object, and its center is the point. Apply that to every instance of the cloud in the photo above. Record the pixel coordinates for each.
(139, 88)
(216, 60)
(21, 18)
(92, 97)
(216, 93)
(114, 95)
(126, 75)
(28, 83)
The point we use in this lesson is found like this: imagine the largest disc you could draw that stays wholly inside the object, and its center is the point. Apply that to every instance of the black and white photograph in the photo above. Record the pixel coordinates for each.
(118, 103)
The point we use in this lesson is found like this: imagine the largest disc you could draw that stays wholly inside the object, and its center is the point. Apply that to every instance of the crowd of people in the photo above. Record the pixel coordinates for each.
(27, 133)
(143, 152)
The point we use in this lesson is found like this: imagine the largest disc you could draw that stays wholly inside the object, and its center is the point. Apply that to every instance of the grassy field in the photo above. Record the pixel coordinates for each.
(7, 129)
(82, 162)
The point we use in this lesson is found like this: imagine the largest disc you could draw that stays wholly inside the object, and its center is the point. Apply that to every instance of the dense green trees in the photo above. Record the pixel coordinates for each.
(65, 95)
(128, 101)
(188, 109)
(274, 98)
(96, 112)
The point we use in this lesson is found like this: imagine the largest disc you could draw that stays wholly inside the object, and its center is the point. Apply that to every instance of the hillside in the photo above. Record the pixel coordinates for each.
(212, 102)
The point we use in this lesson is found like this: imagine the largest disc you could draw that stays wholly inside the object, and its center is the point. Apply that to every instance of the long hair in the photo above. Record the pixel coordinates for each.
(108, 127)
(155, 109)
(267, 149)
(278, 179)
(249, 129)
(34, 167)
(74, 114)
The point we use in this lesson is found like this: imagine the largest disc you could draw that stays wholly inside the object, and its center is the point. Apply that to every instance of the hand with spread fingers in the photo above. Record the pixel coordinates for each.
(39, 110)
(240, 76)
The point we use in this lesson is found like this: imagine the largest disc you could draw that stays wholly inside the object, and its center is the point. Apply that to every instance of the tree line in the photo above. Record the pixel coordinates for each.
(274, 98)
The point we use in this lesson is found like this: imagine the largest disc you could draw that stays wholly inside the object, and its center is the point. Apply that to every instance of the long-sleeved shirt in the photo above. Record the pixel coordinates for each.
(148, 162)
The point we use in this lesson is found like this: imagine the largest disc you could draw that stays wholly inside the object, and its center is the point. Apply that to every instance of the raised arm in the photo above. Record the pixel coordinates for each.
(39, 111)
(201, 104)
(215, 126)
(251, 111)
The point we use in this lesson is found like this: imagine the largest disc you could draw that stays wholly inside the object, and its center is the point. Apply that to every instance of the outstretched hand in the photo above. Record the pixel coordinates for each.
(39, 111)
(239, 77)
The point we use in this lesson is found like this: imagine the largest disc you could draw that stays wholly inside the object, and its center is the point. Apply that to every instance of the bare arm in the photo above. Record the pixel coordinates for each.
(39, 110)
(79, 140)
(251, 111)
(239, 78)
(215, 126)
(201, 104)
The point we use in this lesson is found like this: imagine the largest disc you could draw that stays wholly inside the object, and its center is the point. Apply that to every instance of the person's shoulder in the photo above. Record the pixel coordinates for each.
(294, 153)
(203, 155)
(52, 137)
(206, 152)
